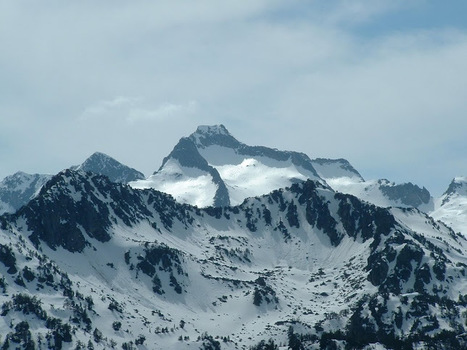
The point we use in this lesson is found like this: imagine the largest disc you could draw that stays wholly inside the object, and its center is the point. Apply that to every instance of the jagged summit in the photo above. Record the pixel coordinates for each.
(15, 180)
(212, 168)
(206, 136)
(212, 130)
(457, 186)
(101, 163)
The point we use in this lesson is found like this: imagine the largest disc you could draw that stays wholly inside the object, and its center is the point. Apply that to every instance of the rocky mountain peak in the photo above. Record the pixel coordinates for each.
(100, 163)
(206, 136)
(457, 186)
(212, 130)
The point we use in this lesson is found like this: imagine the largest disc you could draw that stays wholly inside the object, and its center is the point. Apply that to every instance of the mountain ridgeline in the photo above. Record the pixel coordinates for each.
(212, 168)
(311, 265)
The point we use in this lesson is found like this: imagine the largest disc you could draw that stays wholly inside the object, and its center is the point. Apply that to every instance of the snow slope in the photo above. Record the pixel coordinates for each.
(127, 268)
(451, 207)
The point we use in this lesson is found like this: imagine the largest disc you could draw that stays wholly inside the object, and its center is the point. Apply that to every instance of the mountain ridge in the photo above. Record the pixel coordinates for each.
(303, 264)
(18, 189)
(227, 170)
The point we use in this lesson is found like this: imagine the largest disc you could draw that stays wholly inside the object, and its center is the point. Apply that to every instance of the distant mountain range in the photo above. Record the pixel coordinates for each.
(248, 248)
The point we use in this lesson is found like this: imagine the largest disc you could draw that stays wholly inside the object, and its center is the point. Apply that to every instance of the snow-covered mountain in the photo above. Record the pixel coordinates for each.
(385, 193)
(97, 264)
(212, 168)
(341, 176)
(100, 163)
(18, 189)
(451, 207)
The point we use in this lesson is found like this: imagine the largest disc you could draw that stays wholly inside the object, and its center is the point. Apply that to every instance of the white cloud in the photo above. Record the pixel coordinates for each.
(162, 112)
(110, 108)
(135, 109)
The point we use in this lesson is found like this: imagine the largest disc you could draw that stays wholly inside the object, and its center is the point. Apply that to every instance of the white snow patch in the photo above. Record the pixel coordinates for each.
(186, 185)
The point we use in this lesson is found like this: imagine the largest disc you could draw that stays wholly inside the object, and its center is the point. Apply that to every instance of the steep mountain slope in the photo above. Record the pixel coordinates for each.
(119, 267)
(212, 168)
(100, 163)
(18, 189)
(451, 207)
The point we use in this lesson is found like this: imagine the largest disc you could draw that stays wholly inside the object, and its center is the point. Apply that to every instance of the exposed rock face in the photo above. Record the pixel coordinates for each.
(408, 194)
(458, 186)
(186, 153)
(100, 163)
(75, 206)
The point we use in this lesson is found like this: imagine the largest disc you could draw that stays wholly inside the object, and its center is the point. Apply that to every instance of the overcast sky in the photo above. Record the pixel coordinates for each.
(382, 84)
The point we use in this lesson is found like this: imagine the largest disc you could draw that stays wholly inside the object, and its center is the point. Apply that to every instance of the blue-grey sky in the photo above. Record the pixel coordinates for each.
(380, 83)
